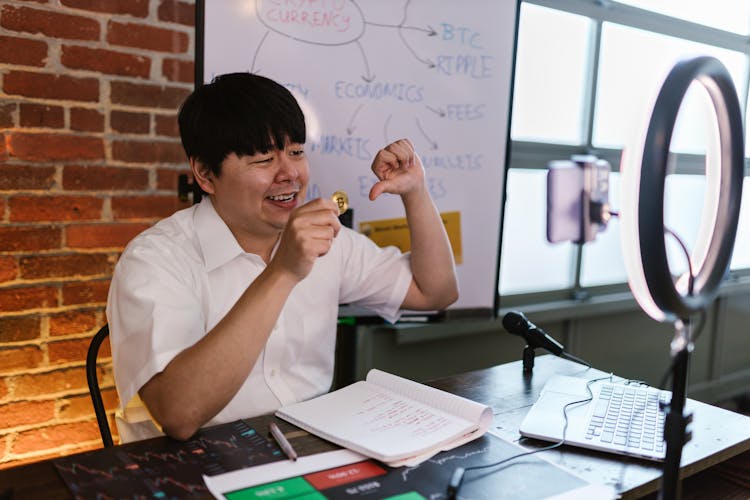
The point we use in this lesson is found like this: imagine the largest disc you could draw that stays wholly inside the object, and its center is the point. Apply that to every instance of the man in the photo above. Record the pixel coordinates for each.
(228, 309)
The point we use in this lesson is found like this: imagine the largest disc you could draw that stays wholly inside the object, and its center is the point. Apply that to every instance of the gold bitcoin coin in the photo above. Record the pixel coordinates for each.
(342, 200)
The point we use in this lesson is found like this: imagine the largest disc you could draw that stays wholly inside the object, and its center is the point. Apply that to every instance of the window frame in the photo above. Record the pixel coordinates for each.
(524, 154)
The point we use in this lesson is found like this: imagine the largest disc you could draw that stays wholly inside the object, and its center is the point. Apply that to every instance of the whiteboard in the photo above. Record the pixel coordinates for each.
(369, 72)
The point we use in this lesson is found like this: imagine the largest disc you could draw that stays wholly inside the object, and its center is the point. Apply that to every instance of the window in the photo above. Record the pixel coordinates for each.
(741, 255)
(586, 75)
(632, 65)
(524, 240)
(727, 15)
(550, 78)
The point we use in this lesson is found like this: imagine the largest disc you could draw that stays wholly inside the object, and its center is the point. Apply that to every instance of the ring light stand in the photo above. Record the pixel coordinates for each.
(643, 229)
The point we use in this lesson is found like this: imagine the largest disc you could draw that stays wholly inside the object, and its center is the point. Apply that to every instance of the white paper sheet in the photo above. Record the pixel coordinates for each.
(261, 474)
(597, 491)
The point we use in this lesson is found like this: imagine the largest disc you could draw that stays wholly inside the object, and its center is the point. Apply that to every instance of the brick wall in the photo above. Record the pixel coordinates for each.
(89, 157)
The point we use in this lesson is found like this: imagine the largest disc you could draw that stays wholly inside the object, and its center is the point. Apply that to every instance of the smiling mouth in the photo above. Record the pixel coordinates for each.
(282, 198)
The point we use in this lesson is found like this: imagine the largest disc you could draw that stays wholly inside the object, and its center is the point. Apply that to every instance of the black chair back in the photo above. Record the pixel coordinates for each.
(93, 381)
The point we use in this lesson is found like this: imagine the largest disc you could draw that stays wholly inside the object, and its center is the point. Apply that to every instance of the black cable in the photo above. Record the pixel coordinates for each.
(570, 357)
(697, 330)
(691, 274)
(458, 474)
(691, 282)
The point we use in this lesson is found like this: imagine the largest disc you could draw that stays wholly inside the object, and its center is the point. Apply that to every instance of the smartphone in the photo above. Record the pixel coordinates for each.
(577, 198)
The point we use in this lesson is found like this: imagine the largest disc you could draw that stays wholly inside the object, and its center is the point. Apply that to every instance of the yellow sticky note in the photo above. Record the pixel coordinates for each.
(395, 232)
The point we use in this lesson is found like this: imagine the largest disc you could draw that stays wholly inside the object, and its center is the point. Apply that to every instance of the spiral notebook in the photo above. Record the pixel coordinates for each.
(391, 419)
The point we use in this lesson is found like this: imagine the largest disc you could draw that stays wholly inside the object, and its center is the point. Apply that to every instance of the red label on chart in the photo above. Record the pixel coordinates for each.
(344, 475)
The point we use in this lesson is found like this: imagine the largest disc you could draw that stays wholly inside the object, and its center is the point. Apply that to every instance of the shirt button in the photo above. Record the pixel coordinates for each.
(273, 372)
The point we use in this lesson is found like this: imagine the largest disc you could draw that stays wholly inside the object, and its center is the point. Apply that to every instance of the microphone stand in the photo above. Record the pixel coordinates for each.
(528, 358)
(529, 352)
(676, 422)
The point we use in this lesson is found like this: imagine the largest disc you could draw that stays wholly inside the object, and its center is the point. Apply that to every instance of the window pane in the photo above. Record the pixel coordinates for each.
(727, 15)
(741, 255)
(528, 262)
(602, 258)
(550, 78)
(632, 67)
(683, 200)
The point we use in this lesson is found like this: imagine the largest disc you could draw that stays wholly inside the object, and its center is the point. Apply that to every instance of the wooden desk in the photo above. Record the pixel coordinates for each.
(717, 434)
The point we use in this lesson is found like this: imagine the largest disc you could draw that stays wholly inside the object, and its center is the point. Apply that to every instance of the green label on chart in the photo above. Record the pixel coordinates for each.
(412, 495)
(295, 487)
(315, 495)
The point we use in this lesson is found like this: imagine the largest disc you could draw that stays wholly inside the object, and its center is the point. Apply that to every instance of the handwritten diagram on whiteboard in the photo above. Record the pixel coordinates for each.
(369, 72)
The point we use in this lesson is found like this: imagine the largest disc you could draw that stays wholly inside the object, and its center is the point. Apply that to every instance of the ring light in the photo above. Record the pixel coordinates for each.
(644, 176)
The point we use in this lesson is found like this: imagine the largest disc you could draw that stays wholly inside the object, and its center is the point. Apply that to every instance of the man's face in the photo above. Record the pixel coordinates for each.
(254, 195)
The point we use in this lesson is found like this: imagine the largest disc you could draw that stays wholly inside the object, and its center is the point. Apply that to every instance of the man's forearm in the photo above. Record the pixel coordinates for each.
(431, 255)
(202, 379)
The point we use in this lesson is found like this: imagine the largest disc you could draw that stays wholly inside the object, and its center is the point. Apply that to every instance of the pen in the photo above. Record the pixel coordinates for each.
(283, 443)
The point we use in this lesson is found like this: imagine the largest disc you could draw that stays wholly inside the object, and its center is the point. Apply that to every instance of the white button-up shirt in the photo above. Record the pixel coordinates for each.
(176, 280)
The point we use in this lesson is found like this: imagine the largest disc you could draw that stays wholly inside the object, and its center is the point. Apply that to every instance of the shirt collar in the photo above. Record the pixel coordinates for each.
(217, 242)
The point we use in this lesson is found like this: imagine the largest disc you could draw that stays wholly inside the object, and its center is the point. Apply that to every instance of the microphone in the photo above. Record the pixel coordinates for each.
(518, 324)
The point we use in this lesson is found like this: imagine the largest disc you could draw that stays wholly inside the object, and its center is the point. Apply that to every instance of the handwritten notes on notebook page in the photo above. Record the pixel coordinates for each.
(391, 419)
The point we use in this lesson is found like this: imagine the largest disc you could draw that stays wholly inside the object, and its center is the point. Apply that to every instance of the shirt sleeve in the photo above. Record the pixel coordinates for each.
(374, 277)
(153, 311)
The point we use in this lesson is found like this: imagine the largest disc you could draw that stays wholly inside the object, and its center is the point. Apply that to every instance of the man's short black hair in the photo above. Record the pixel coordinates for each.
(239, 113)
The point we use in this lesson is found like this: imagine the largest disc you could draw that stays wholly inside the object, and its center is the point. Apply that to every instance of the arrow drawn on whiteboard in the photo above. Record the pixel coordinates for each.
(426, 62)
(385, 129)
(351, 128)
(255, 56)
(401, 28)
(440, 112)
(369, 76)
(430, 31)
(433, 144)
